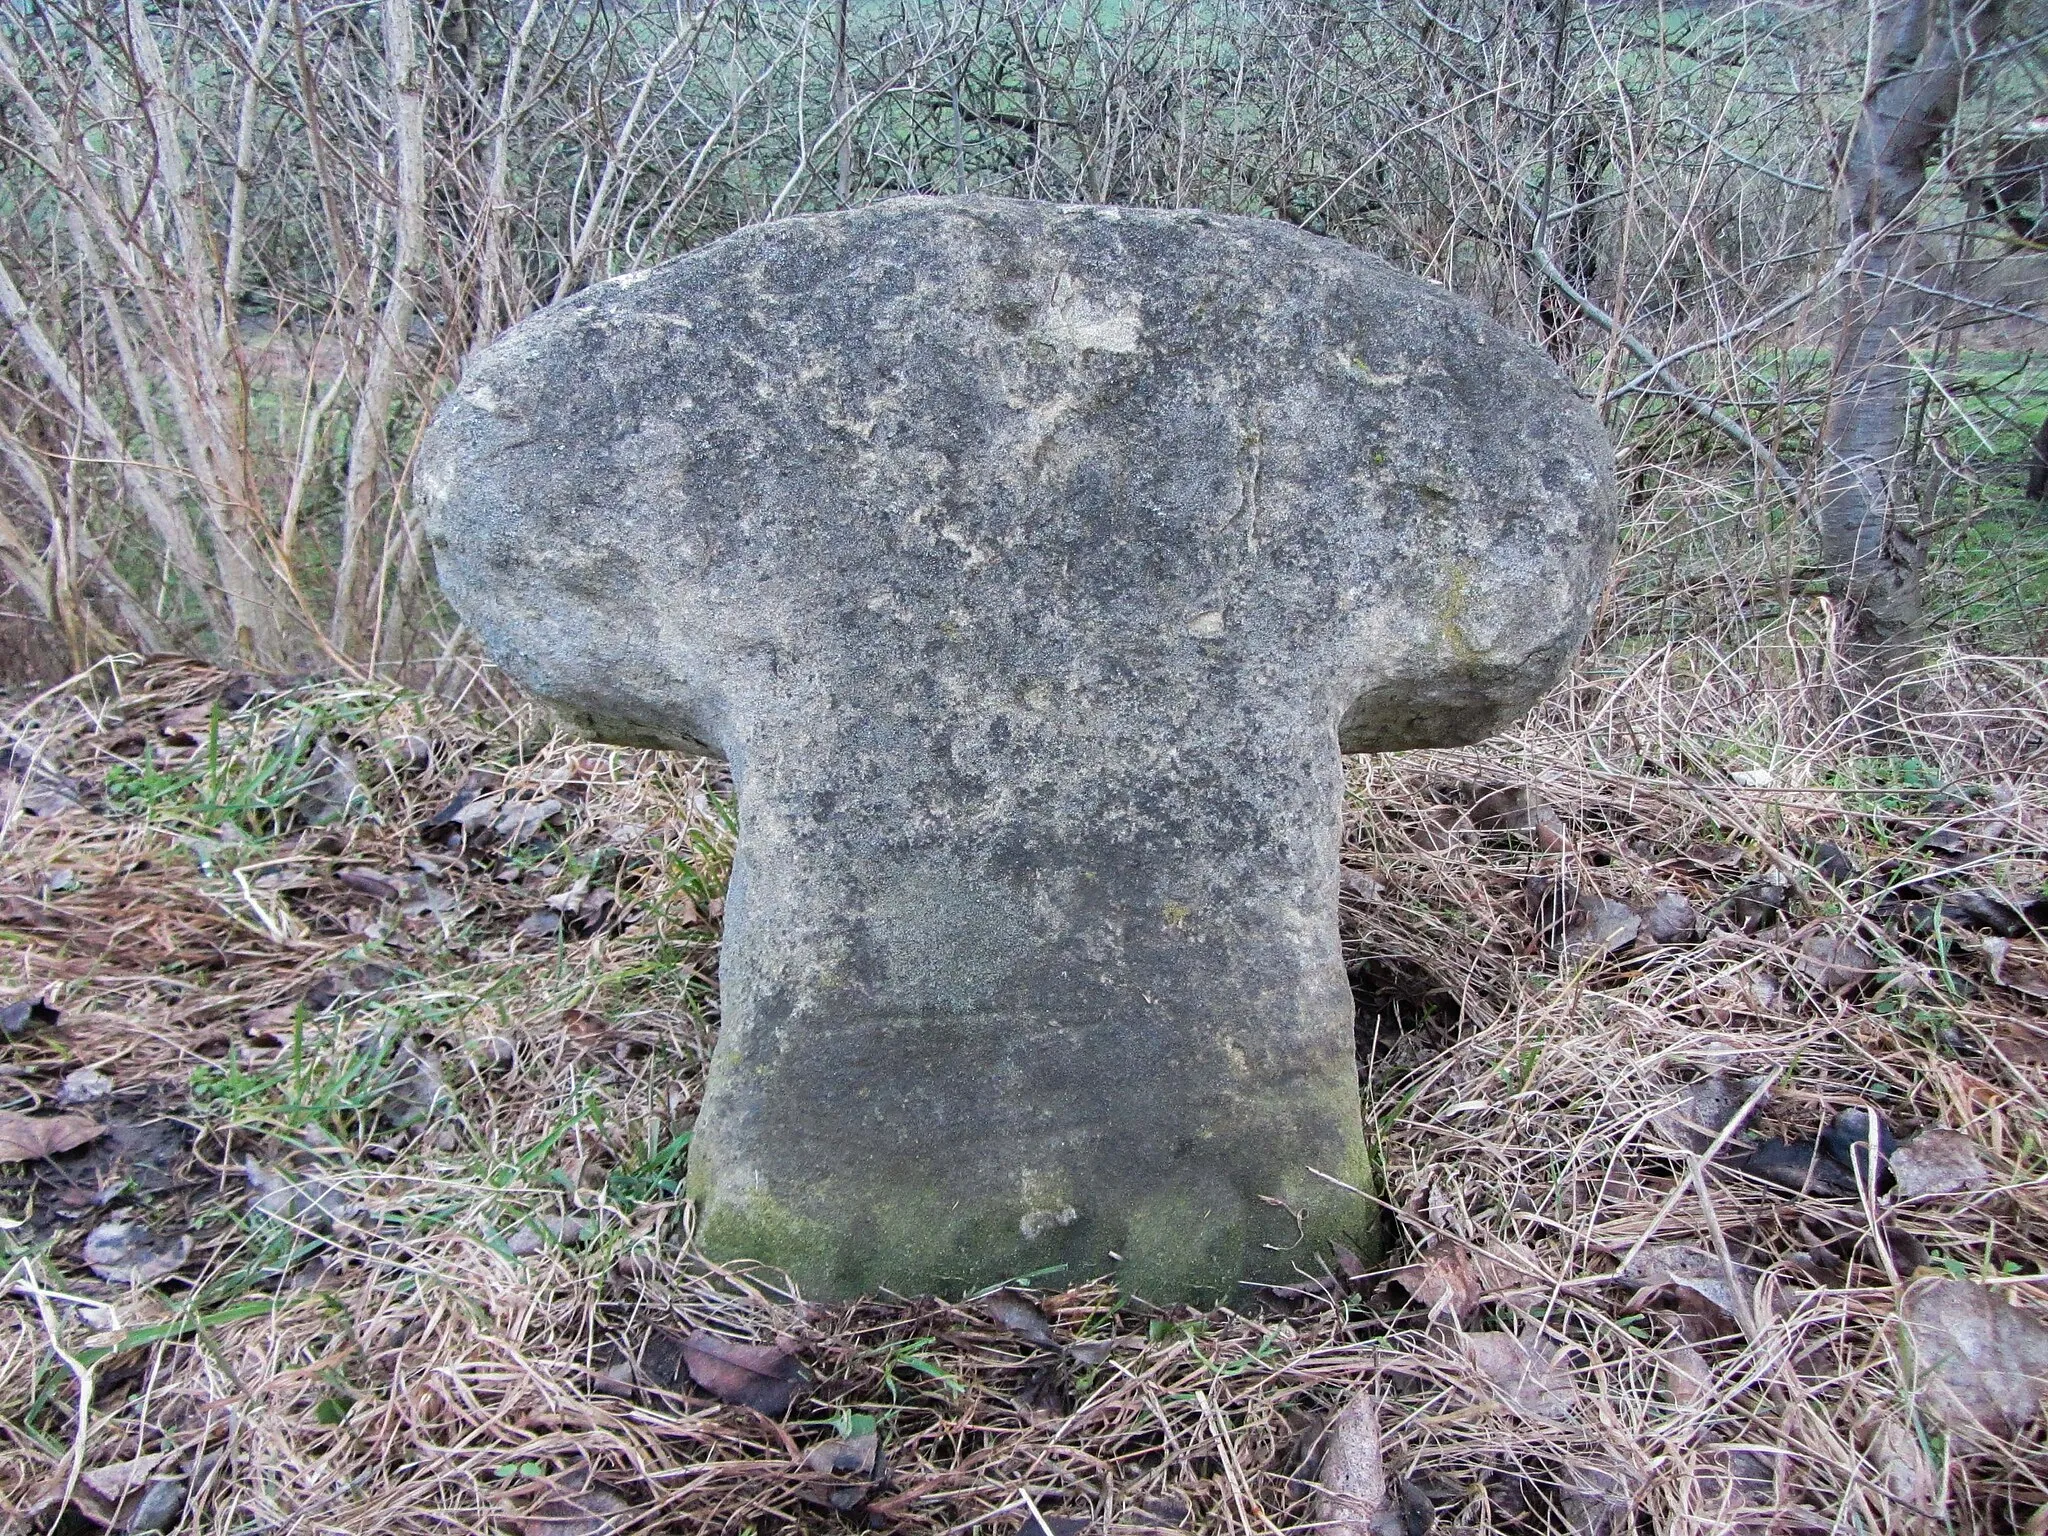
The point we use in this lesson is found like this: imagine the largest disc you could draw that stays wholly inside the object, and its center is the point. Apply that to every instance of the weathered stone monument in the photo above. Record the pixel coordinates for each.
(1032, 566)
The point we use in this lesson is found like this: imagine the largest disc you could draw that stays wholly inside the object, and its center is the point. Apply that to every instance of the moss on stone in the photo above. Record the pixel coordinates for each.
(1182, 1245)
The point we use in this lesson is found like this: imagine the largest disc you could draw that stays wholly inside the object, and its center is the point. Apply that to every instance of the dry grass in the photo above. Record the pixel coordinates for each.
(381, 1354)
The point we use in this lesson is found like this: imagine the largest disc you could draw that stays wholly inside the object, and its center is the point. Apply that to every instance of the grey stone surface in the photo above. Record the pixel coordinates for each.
(1031, 565)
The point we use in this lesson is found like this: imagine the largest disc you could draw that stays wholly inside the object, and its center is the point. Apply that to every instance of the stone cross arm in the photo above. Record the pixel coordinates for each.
(1032, 566)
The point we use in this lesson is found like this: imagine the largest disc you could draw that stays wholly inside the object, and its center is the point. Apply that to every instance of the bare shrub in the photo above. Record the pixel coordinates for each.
(245, 242)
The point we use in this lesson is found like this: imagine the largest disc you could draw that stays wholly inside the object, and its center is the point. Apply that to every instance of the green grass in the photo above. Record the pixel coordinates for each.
(328, 1083)
(249, 779)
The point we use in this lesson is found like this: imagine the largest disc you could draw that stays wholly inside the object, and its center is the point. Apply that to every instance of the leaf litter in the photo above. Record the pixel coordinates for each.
(1556, 1121)
(24, 1138)
(1453, 1280)
(1982, 1362)
(1938, 1162)
(127, 1252)
(763, 1377)
(1355, 1496)
(1526, 1374)
(1022, 1316)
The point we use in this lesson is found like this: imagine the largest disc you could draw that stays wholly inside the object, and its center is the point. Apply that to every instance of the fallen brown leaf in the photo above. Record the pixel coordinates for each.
(1670, 919)
(2022, 1042)
(854, 1456)
(1686, 1377)
(473, 802)
(1983, 1364)
(1699, 1276)
(1988, 911)
(120, 1496)
(370, 882)
(1938, 1162)
(1833, 963)
(1044, 1397)
(1527, 1376)
(1733, 1483)
(1511, 808)
(764, 1377)
(1704, 1109)
(1020, 1314)
(1598, 928)
(1906, 1470)
(1805, 1167)
(593, 1511)
(1040, 1523)
(541, 925)
(24, 1138)
(25, 1014)
(847, 1470)
(1359, 885)
(1832, 863)
(1440, 828)
(1165, 1510)
(1712, 856)
(116, 1480)
(128, 1253)
(1594, 1500)
(2018, 967)
(32, 784)
(1761, 903)
(1353, 1497)
(524, 818)
(1453, 1279)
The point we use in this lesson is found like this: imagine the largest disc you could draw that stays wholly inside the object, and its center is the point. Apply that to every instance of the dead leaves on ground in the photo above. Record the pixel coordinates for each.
(574, 1503)
(1982, 1362)
(328, 789)
(1525, 1378)
(1685, 1375)
(1979, 1361)
(1705, 1109)
(128, 1252)
(764, 1377)
(1997, 913)
(851, 1468)
(30, 783)
(840, 1473)
(1898, 914)
(25, 1014)
(2018, 967)
(1702, 1296)
(1938, 1162)
(1526, 1372)
(24, 1138)
(845, 1471)
(1453, 1279)
(1517, 1388)
(137, 1497)
(1353, 1494)
(1833, 963)
(1022, 1317)
(1852, 1151)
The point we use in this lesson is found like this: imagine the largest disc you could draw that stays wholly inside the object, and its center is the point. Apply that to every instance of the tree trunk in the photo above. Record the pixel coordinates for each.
(353, 627)
(1920, 51)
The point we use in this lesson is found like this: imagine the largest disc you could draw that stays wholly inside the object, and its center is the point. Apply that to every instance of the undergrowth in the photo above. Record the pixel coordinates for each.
(402, 1013)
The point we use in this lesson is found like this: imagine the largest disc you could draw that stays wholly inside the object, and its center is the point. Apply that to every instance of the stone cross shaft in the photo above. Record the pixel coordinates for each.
(1032, 566)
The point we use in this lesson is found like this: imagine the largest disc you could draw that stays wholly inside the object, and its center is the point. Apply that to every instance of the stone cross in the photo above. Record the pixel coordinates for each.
(1032, 566)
